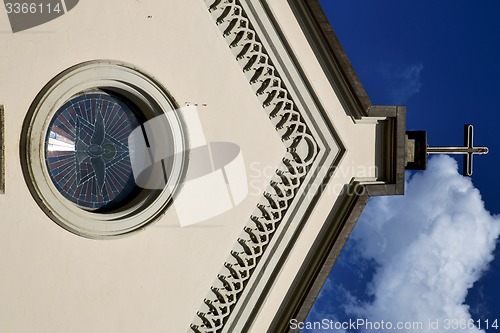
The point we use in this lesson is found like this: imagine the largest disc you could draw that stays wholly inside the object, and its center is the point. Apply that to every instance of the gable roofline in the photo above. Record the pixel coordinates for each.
(346, 212)
(335, 232)
(332, 57)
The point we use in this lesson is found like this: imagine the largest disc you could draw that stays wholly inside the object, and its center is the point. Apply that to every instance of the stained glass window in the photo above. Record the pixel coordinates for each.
(87, 151)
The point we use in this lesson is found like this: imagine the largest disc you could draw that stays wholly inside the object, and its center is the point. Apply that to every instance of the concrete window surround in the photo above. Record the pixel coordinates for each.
(149, 97)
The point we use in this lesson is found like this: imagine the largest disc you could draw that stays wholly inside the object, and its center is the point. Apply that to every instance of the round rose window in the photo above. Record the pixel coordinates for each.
(87, 150)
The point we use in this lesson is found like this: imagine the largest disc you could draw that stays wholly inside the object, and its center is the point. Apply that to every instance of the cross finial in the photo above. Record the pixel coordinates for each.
(468, 150)
(418, 140)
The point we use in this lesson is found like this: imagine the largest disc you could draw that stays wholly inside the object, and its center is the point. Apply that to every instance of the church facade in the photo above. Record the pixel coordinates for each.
(181, 166)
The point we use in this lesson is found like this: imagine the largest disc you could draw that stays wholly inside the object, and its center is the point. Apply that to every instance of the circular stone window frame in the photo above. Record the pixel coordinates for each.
(149, 97)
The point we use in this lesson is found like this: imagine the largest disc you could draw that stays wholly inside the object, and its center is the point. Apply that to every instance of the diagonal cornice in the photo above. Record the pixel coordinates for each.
(290, 125)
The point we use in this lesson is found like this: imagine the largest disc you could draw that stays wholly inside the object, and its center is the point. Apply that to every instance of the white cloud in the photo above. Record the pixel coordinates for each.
(430, 245)
(402, 82)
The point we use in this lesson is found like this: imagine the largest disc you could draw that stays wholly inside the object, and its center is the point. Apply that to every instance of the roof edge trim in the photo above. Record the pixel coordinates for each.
(332, 57)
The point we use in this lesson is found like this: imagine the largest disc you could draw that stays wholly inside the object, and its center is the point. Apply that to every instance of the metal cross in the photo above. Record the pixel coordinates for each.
(468, 151)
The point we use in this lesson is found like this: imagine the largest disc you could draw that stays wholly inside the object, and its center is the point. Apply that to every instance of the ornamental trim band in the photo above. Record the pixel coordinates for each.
(276, 100)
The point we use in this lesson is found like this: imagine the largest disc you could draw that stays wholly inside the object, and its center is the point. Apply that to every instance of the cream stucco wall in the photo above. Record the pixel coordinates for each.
(154, 280)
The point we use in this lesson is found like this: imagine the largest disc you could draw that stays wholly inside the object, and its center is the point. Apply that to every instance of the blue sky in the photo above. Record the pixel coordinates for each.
(432, 253)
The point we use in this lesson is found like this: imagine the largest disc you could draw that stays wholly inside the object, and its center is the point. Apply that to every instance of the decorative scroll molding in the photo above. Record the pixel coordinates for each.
(302, 150)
